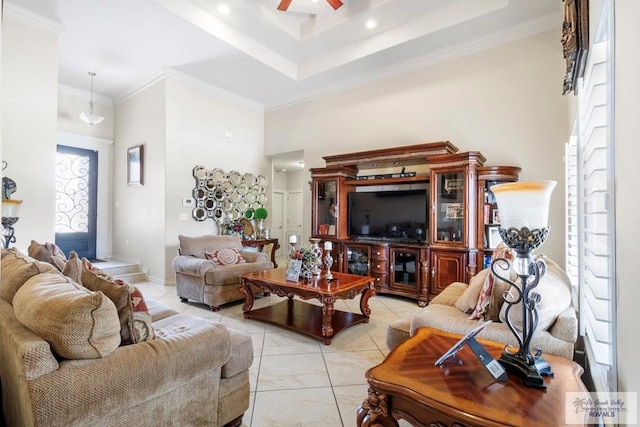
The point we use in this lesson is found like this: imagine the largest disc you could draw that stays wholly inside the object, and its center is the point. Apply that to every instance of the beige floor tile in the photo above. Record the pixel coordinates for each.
(297, 408)
(354, 338)
(283, 341)
(296, 371)
(348, 368)
(349, 399)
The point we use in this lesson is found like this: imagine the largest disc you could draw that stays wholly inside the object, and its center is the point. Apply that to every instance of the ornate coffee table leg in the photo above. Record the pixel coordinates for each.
(367, 293)
(374, 411)
(245, 288)
(327, 315)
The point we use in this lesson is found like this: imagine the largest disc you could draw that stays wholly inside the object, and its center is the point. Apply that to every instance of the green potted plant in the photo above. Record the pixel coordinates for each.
(261, 214)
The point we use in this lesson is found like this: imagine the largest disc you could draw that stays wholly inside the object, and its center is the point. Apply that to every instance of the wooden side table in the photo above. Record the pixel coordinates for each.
(407, 385)
(261, 243)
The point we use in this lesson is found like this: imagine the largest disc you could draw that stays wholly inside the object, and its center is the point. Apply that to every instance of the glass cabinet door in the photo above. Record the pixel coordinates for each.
(449, 207)
(357, 257)
(325, 212)
(405, 268)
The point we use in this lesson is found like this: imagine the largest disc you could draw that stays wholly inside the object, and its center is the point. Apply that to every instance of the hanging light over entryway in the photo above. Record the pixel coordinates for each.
(90, 116)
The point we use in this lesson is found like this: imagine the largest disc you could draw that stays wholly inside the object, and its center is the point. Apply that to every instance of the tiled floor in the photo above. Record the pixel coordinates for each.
(295, 379)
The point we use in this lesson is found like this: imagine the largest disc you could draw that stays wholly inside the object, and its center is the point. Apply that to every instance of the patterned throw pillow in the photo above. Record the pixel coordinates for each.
(135, 318)
(226, 256)
(47, 252)
(490, 299)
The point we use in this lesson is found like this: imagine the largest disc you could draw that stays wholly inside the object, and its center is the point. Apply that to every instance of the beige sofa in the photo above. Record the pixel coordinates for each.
(190, 372)
(202, 280)
(443, 313)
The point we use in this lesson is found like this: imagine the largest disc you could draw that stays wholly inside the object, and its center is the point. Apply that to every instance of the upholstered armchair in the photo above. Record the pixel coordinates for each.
(208, 268)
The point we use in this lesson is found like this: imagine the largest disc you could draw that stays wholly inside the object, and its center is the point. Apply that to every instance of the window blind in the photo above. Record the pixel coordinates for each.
(595, 216)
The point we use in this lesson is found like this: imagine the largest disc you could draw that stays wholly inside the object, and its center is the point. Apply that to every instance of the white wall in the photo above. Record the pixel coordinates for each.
(505, 102)
(29, 97)
(197, 119)
(627, 153)
(138, 212)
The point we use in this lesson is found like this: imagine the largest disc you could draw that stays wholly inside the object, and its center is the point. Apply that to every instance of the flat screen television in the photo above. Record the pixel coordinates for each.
(388, 214)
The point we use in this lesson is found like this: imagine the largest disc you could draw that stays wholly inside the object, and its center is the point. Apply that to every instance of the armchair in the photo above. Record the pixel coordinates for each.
(203, 280)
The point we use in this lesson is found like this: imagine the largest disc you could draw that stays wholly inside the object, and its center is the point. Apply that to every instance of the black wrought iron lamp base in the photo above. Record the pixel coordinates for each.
(531, 374)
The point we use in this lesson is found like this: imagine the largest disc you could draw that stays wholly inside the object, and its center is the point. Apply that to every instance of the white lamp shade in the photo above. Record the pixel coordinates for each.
(90, 117)
(524, 204)
(10, 208)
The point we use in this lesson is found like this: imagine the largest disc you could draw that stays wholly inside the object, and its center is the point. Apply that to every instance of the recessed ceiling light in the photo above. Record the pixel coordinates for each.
(371, 23)
(283, 170)
(314, 1)
(223, 9)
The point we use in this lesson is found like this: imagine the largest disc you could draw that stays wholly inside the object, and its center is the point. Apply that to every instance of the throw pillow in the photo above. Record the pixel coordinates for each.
(135, 318)
(467, 301)
(554, 289)
(490, 299)
(226, 256)
(73, 267)
(17, 268)
(47, 252)
(77, 323)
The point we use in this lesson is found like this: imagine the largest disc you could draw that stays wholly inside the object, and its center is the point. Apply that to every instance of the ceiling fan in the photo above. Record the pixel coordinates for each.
(284, 4)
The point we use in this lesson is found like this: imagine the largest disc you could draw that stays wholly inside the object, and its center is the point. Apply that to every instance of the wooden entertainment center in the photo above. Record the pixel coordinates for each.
(409, 258)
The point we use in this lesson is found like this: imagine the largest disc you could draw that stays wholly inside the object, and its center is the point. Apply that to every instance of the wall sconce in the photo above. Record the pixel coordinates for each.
(10, 208)
(524, 214)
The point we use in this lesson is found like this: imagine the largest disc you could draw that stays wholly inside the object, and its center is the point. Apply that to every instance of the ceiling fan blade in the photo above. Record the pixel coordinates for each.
(284, 5)
(335, 4)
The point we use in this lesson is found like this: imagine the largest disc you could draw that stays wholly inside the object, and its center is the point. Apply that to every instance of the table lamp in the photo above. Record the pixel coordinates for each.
(524, 214)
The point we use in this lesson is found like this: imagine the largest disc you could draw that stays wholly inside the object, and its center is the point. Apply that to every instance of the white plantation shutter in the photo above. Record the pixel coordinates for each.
(571, 190)
(594, 224)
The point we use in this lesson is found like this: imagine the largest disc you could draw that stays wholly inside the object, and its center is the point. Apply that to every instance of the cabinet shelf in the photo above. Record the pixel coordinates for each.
(388, 181)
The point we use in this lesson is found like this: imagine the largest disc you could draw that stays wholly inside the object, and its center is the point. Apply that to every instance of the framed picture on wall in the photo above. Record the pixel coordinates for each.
(135, 165)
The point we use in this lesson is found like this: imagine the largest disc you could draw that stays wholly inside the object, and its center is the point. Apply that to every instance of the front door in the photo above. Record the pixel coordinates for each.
(76, 200)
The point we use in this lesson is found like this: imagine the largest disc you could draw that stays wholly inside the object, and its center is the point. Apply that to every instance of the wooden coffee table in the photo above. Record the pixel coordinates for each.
(317, 321)
(407, 385)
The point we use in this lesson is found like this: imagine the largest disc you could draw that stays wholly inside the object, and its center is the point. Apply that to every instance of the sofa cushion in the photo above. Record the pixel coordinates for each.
(450, 294)
(77, 323)
(554, 289)
(47, 252)
(197, 246)
(490, 299)
(73, 267)
(17, 268)
(135, 319)
(241, 348)
(225, 256)
(467, 301)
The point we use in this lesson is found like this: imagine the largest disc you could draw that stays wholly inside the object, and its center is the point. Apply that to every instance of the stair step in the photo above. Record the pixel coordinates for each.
(124, 270)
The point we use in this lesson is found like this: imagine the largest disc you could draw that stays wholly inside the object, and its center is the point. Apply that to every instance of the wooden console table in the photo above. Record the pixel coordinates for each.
(261, 243)
(407, 385)
(317, 321)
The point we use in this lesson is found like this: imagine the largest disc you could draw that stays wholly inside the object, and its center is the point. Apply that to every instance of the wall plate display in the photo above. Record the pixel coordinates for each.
(225, 196)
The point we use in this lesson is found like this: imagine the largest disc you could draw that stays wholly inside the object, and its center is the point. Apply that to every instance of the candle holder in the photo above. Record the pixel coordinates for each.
(328, 262)
(524, 210)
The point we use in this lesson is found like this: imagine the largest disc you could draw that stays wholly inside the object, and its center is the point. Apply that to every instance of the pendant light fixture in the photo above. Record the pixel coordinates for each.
(90, 116)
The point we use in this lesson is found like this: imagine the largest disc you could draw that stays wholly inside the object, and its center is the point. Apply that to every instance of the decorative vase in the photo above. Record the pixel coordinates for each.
(316, 262)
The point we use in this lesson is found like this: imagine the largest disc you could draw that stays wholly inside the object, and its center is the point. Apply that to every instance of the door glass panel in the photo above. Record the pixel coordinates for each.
(404, 268)
(327, 208)
(72, 193)
(358, 260)
(450, 209)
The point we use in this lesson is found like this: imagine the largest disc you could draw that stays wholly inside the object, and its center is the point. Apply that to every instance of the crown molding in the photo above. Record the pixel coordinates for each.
(84, 95)
(174, 74)
(498, 38)
(30, 18)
